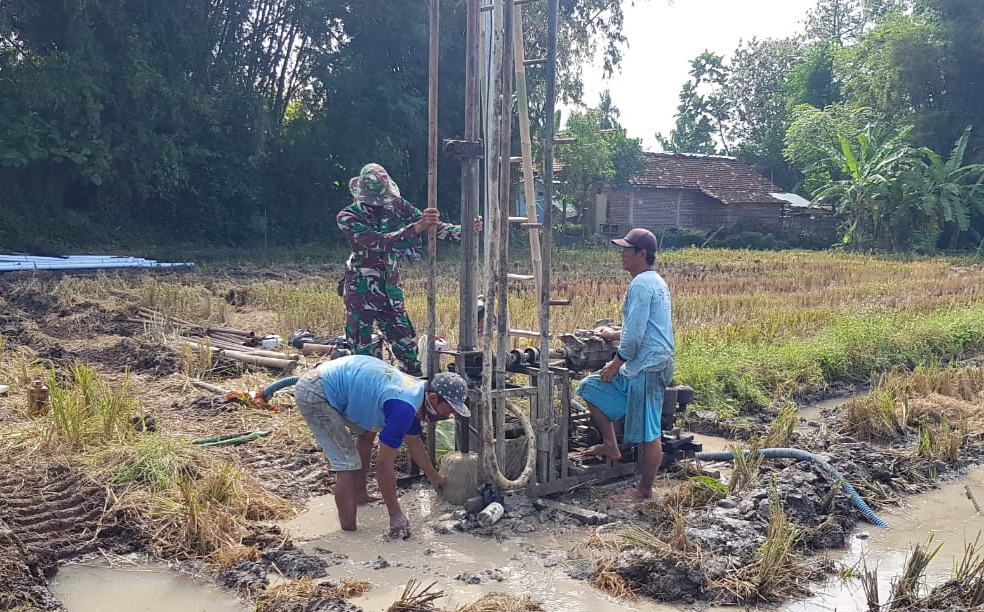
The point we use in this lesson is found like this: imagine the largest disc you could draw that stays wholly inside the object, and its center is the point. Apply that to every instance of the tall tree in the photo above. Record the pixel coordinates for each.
(757, 94)
(702, 111)
(602, 157)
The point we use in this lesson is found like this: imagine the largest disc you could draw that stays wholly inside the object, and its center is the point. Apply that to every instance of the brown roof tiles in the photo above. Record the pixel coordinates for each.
(723, 178)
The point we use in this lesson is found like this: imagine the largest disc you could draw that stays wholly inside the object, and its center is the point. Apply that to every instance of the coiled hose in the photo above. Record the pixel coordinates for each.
(795, 453)
(277, 385)
(492, 460)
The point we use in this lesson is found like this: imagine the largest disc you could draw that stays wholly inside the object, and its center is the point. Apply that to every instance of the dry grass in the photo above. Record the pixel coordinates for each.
(944, 407)
(969, 572)
(745, 468)
(204, 512)
(417, 598)
(229, 556)
(874, 417)
(501, 602)
(608, 581)
(294, 595)
(781, 431)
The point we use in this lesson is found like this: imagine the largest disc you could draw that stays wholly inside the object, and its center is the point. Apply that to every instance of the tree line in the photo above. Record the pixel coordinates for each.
(126, 122)
(874, 111)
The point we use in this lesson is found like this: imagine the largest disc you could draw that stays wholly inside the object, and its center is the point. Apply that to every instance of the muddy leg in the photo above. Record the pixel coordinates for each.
(609, 446)
(652, 458)
(346, 484)
(364, 444)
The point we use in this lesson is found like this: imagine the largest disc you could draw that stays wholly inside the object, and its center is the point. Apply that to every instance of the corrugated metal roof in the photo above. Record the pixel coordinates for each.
(723, 178)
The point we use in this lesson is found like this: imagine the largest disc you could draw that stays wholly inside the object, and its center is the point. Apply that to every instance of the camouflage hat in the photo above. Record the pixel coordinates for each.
(452, 389)
(373, 185)
(373, 179)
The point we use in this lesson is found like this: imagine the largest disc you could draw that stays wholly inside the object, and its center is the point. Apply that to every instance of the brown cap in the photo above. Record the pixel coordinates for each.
(639, 238)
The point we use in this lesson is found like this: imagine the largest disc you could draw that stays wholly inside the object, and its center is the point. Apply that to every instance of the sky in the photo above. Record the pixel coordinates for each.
(663, 38)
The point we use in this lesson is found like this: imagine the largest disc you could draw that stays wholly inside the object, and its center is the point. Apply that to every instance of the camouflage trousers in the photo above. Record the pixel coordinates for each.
(369, 300)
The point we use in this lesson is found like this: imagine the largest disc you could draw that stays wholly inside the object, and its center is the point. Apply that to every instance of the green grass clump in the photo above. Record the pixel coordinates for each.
(157, 461)
(87, 410)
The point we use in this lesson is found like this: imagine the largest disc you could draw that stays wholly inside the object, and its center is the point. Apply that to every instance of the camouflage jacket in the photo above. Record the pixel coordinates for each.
(377, 235)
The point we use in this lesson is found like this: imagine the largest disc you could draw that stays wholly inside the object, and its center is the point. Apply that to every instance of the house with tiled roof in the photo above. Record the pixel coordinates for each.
(709, 193)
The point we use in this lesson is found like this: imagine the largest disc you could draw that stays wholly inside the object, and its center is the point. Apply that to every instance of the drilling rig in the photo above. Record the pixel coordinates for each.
(539, 447)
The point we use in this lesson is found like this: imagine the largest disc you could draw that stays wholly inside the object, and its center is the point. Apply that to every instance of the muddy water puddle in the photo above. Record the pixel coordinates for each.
(466, 566)
(463, 565)
(143, 588)
(947, 513)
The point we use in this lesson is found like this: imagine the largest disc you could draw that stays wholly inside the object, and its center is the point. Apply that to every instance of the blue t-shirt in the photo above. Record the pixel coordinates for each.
(374, 395)
(647, 324)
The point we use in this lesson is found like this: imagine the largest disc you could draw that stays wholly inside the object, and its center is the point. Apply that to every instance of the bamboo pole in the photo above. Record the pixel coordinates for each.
(201, 384)
(529, 178)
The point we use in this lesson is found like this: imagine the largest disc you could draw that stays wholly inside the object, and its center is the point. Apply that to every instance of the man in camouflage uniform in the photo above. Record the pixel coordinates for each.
(380, 225)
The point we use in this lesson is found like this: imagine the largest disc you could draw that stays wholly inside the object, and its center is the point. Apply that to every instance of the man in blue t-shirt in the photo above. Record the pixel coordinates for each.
(632, 384)
(349, 400)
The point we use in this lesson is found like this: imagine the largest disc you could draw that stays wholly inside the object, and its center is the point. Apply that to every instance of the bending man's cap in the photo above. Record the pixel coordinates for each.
(452, 389)
(639, 238)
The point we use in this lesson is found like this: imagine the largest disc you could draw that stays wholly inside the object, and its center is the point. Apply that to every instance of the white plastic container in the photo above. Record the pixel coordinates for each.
(272, 343)
(491, 514)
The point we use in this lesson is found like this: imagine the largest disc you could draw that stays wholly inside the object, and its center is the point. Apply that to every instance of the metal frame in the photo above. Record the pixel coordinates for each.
(495, 27)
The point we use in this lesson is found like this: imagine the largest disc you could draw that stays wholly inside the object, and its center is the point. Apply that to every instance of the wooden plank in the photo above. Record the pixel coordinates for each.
(520, 277)
(513, 392)
(588, 517)
(594, 474)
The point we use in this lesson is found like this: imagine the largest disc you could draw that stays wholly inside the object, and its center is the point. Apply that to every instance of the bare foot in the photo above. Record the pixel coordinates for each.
(365, 498)
(629, 497)
(603, 450)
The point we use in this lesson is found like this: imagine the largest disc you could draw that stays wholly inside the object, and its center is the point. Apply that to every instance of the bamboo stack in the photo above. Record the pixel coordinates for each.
(239, 345)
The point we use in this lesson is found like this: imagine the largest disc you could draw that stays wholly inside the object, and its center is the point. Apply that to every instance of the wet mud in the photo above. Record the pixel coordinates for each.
(50, 514)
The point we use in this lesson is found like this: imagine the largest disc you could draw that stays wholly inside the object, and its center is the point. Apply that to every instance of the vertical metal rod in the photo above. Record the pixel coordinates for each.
(505, 69)
(546, 387)
(432, 356)
(468, 287)
(493, 167)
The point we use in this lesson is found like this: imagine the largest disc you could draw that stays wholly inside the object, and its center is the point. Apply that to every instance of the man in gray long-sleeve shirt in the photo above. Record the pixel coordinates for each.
(632, 384)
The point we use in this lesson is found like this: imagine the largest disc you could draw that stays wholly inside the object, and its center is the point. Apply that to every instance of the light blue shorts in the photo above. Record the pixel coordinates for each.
(333, 431)
(638, 400)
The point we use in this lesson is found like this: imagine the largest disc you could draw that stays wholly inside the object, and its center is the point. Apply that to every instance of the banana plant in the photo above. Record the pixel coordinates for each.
(864, 187)
(949, 190)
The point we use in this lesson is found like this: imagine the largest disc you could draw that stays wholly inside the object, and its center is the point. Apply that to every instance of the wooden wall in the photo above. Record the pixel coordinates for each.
(658, 209)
